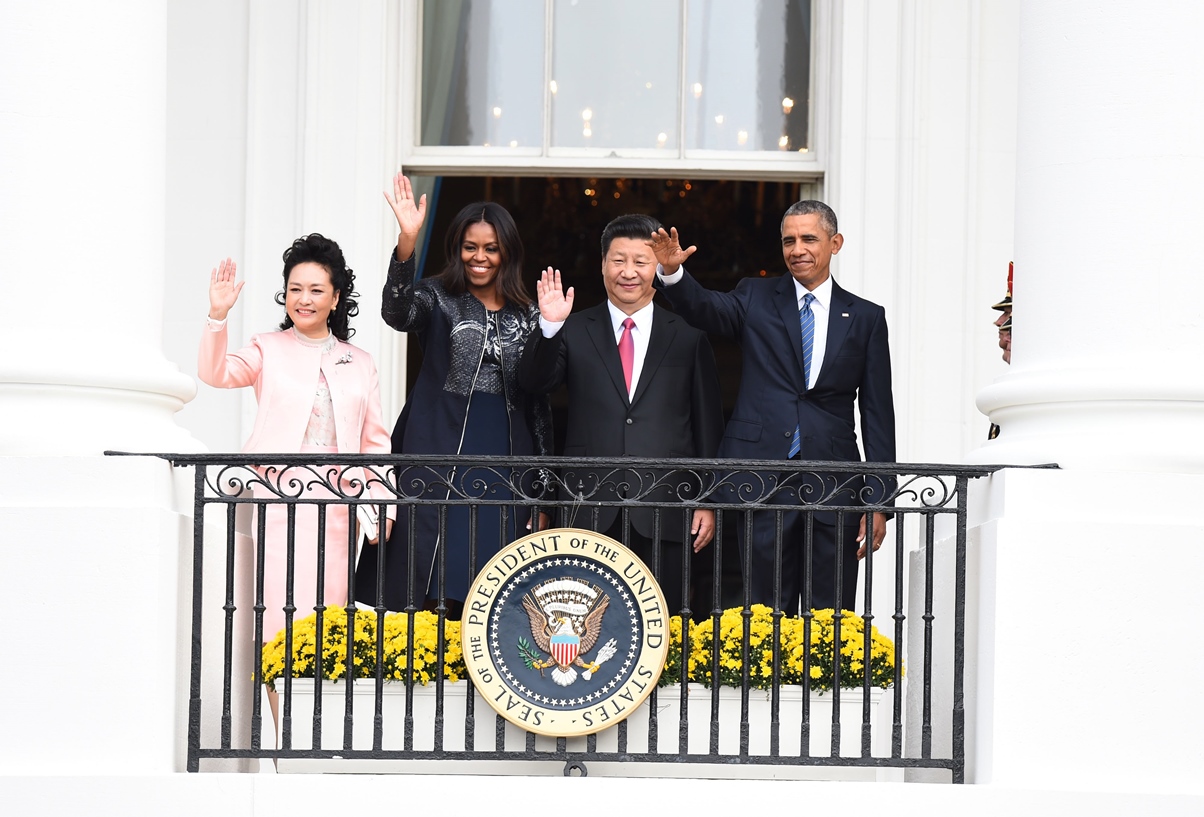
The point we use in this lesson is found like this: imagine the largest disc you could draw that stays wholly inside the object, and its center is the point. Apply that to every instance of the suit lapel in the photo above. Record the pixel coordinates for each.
(664, 329)
(787, 303)
(600, 331)
(838, 325)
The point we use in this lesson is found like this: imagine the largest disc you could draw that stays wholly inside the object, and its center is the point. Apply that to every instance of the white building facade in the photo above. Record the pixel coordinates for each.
(141, 142)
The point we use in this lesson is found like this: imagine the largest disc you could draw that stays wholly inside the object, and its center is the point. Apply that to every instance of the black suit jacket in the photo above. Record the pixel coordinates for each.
(761, 314)
(676, 410)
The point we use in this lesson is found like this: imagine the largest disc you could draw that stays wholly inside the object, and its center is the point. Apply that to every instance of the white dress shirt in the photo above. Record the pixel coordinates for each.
(821, 309)
(639, 337)
(640, 333)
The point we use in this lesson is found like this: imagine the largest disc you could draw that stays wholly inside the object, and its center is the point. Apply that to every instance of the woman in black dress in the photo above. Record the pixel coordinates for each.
(472, 321)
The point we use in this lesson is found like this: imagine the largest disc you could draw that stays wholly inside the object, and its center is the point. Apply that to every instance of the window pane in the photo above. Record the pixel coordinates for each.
(748, 74)
(615, 73)
(482, 72)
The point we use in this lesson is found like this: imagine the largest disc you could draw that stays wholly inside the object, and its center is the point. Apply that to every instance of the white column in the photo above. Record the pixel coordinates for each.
(82, 158)
(1109, 283)
(1085, 597)
(90, 546)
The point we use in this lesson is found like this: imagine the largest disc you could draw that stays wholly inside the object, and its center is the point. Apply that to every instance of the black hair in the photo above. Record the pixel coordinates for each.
(827, 218)
(325, 253)
(509, 278)
(635, 225)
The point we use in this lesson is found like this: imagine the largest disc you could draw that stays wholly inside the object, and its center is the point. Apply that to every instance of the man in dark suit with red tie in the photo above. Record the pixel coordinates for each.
(641, 383)
(810, 351)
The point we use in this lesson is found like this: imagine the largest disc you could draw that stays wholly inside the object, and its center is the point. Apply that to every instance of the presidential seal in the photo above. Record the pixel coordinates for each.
(565, 632)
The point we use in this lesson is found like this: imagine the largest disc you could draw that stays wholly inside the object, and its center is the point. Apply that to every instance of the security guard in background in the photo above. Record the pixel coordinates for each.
(1004, 322)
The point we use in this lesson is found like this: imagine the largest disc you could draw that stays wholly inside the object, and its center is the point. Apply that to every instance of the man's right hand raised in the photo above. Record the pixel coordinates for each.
(555, 304)
(667, 248)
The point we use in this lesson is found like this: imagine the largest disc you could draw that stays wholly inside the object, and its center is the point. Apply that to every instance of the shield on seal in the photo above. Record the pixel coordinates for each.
(564, 648)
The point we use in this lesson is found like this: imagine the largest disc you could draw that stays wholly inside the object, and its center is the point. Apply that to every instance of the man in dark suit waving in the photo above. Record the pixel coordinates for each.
(641, 383)
(810, 350)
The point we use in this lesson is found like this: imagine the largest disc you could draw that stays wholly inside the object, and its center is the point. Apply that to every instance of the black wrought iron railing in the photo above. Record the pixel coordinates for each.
(301, 508)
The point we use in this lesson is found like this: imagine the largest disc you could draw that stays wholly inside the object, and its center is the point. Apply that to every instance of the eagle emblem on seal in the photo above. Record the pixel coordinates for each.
(566, 620)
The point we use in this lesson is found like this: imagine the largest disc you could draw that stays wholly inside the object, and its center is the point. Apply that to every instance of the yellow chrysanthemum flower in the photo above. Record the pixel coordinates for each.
(724, 647)
(364, 656)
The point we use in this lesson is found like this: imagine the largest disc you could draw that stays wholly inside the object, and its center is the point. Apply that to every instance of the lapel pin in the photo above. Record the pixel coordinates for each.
(844, 314)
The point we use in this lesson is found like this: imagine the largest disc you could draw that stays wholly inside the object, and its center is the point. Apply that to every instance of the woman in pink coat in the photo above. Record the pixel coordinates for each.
(317, 394)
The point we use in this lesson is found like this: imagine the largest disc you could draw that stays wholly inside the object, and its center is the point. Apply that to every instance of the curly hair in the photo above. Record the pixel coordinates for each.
(325, 253)
(509, 278)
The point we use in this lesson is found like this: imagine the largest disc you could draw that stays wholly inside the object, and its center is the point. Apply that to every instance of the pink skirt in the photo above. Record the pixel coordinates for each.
(305, 549)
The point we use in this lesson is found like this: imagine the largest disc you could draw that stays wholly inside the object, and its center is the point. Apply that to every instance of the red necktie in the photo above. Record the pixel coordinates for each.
(627, 351)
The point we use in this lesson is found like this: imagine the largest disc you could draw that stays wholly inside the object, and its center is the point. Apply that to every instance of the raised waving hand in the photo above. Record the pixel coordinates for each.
(667, 248)
(223, 291)
(554, 303)
(410, 214)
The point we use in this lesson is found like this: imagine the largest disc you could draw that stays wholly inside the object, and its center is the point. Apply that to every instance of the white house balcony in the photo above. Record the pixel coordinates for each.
(894, 703)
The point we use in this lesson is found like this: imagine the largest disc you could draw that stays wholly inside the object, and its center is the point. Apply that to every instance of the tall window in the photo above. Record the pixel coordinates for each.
(635, 79)
(748, 73)
(482, 72)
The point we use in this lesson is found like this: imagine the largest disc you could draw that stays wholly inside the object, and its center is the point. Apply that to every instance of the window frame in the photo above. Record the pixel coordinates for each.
(453, 160)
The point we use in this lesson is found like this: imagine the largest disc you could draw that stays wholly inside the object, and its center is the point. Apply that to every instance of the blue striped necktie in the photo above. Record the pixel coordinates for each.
(806, 320)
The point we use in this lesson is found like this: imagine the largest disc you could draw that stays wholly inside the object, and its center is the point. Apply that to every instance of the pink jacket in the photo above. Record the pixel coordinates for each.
(284, 373)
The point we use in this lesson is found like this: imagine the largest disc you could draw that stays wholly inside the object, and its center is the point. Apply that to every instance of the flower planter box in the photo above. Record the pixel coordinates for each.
(393, 713)
(485, 730)
(790, 712)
